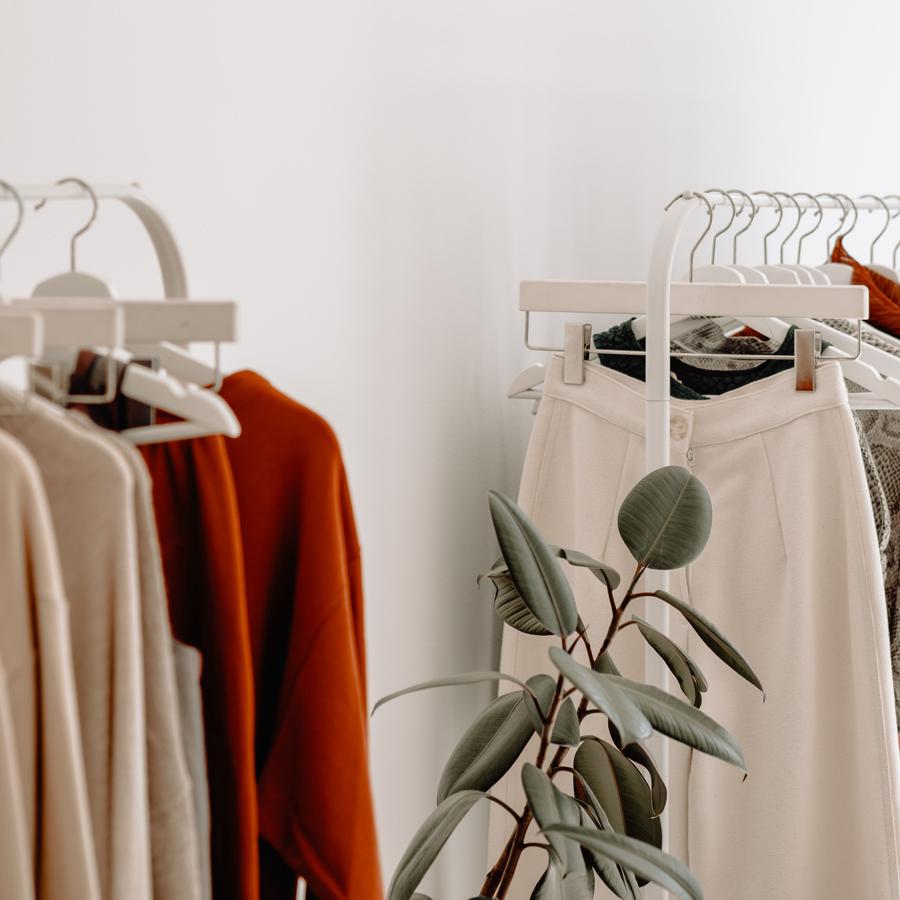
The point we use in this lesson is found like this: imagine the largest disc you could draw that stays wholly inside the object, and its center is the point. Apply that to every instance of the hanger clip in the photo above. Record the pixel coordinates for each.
(807, 346)
(577, 346)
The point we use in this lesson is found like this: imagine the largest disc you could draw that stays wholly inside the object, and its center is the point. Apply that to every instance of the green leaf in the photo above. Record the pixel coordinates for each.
(666, 518)
(533, 567)
(427, 843)
(642, 859)
(512, 609)
(607, 574)
(605, 665)
(645, 860)
(450, 681)
(620, 789)
(550, 805)
(566, 728)
(618, 880)
(554, 885)
(713, 638)
(489, 747)
(543, 687)
(677, 661)
(637, 753)
(679, 721)
(603, 691)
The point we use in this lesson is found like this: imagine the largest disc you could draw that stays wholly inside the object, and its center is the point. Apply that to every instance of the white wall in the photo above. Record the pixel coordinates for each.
(371, 180)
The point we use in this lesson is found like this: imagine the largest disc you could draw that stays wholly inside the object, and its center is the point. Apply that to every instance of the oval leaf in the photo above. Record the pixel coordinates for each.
(680, 721)
(637, 753)
(543, 687)
(566, 729)
(605, 665)
(450, 681)
(489, 747)
(676, 660)
(533, 567)
(649, 862)
(713, 638)
(607, 574)
(604, 693)
(612, 875)
(549, 805)
(427, 843)
(666, 518)
(620, 789)
(620, 881)
(554, 885)
(512, 609)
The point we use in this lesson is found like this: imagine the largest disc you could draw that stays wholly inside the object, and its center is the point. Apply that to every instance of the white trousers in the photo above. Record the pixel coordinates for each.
(791, 575)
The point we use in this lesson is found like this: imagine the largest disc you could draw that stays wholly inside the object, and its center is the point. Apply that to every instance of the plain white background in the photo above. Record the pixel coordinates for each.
(371, 179)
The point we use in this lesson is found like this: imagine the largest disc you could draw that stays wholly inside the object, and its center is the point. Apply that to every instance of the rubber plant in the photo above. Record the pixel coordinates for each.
(593, 803)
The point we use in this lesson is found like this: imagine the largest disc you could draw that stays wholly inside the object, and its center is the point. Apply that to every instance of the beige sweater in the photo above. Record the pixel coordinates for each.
(91, 496)
(46, 841)
(173, 831)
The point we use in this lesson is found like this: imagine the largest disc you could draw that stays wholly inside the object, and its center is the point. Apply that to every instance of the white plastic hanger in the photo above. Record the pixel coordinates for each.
(814, 275)
(204, 412)
(839, 273)
(887, 271)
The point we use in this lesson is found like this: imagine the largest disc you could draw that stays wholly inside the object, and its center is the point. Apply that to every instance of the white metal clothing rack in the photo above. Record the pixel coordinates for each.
(170, 261)
(659, 298)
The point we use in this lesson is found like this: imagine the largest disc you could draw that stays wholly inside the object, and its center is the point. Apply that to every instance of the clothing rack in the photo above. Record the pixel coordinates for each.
(168, 254)
(659, 298)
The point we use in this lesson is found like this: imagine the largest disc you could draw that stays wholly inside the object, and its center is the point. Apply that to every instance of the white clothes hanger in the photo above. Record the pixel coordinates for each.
(775, 274)
(814, 275)
(839, 273)
(204, 412)
(887, 271)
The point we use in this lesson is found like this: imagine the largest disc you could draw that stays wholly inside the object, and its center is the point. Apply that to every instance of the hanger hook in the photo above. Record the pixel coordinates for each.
(845, 211)
(790, 234)
(687, 195)
(816, 224)
(768, 234)
(20, 208)
(887, 222)
(855, 209)
(897, 245)
(740, 231)
(96, 206)
(730, 222)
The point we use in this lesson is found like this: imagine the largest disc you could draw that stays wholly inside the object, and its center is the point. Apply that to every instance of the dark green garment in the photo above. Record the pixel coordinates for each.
(688, 382)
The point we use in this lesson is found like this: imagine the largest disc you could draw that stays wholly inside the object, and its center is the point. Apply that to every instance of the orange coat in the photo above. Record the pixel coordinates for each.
(305, 608)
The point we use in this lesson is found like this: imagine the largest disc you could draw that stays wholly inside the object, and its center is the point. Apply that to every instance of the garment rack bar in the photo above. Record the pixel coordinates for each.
(697, 299)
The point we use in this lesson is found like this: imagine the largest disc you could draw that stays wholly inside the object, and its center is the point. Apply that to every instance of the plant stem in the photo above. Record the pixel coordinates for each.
(499, 879)
(505, 806)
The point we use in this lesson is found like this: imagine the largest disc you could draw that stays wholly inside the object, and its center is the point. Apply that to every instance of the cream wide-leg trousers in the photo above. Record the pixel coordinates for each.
(791, 575)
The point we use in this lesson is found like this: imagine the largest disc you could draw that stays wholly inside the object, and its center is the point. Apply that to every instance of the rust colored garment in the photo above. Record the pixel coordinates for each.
(884, 294)
(199, 531)
(304, 600)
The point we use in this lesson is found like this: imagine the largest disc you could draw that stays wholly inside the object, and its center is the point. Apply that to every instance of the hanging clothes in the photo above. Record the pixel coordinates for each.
(91, 499)
(304, 599)
(199, 532)
(884, 293)
(188, 666)
(46, 840)
(173, 829)
(811, 620)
